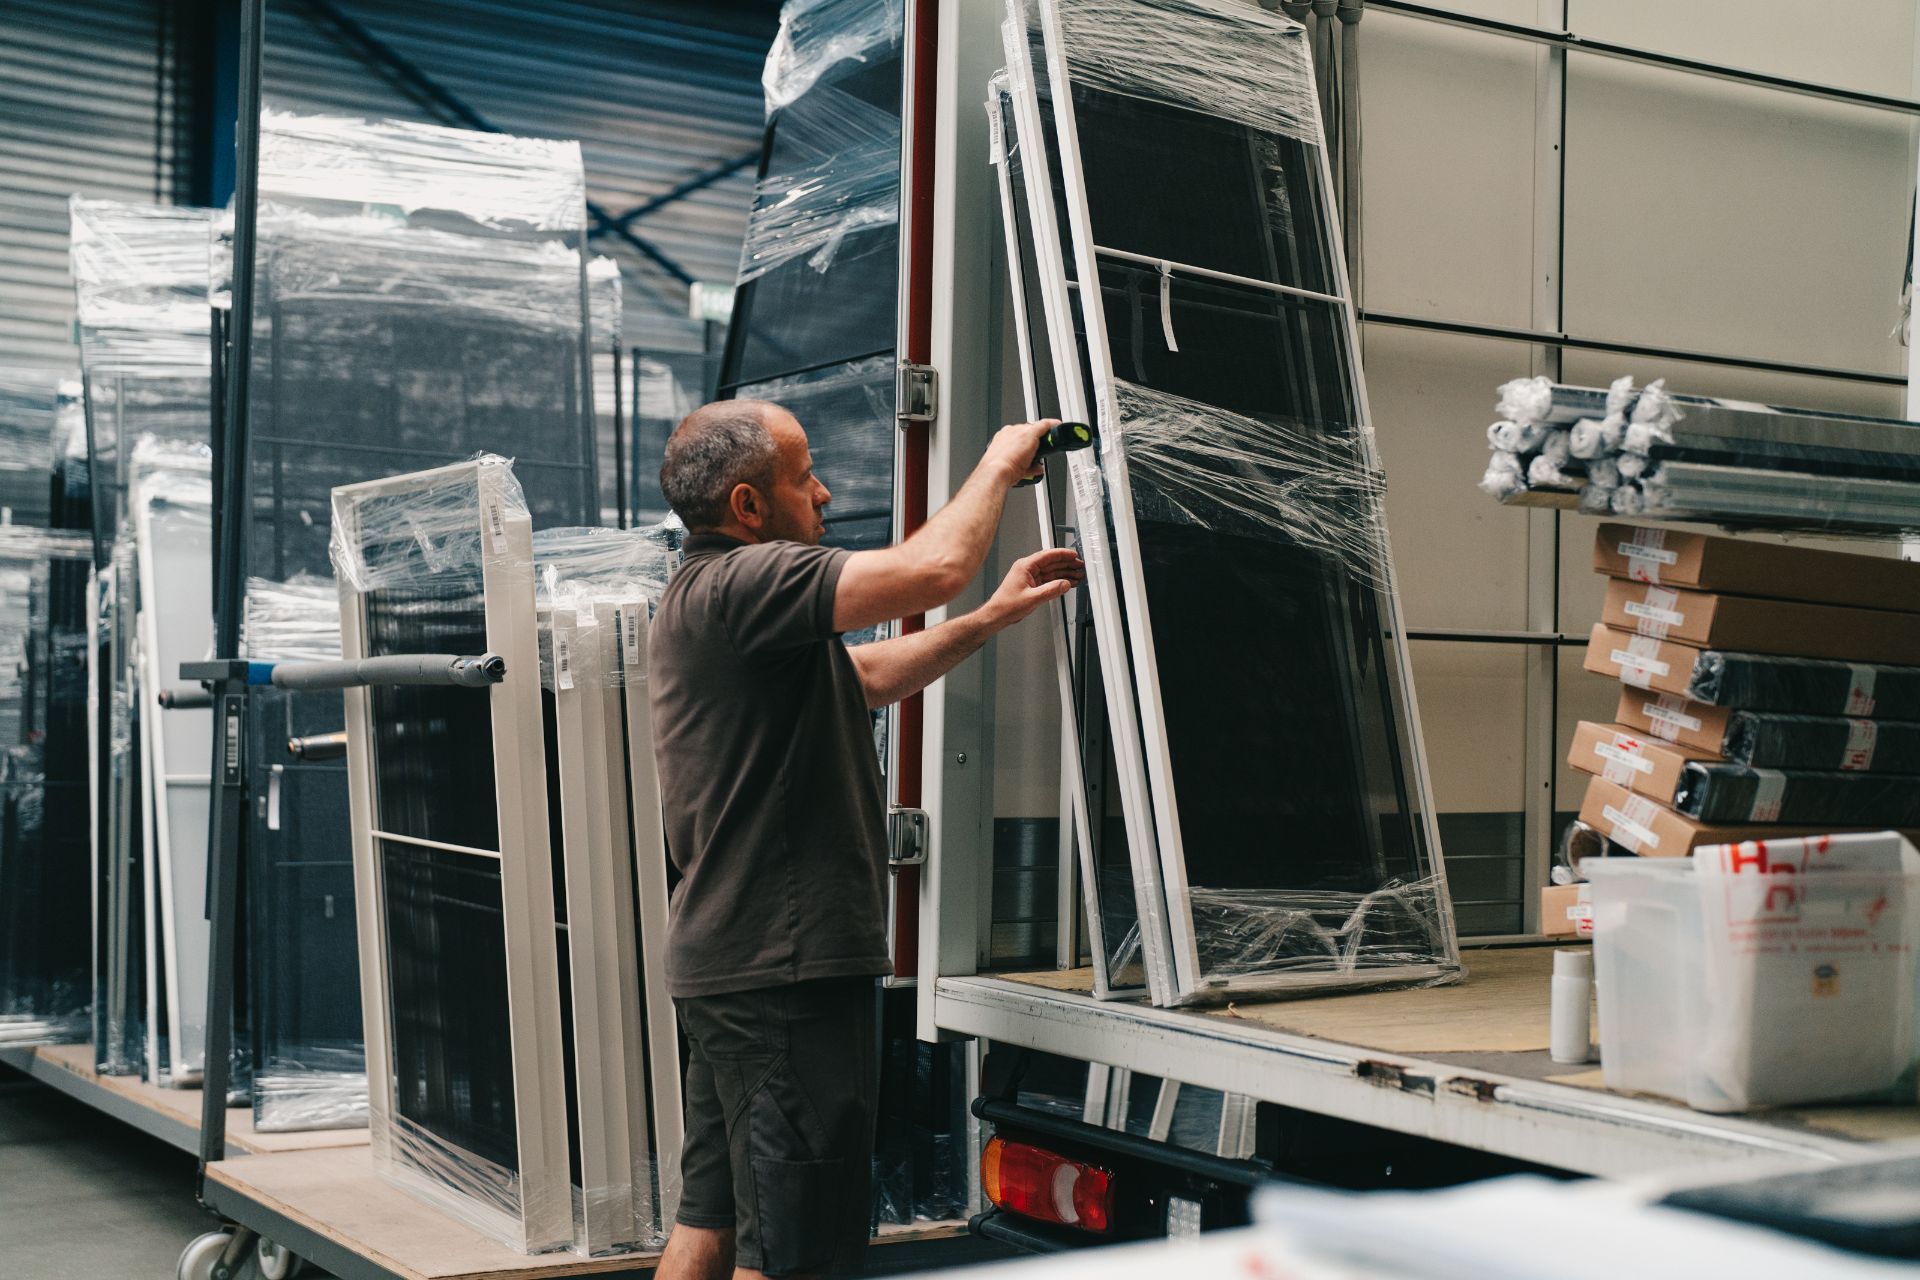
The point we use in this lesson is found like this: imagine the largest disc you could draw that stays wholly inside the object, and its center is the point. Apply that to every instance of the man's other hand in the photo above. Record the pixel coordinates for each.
(1034, 580)
(1014, 449)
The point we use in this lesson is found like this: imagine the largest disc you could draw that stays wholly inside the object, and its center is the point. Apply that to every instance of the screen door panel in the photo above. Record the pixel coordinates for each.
(1238, 475)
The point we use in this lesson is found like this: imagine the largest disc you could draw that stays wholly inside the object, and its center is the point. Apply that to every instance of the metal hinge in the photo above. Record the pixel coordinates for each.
(916, 393)
(906, 837)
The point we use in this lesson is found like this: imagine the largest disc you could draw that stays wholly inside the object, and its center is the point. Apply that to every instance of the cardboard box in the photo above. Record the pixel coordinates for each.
(1673, 558)
(1744, 624)
(1652, 830)
(1642, 662)
(1671, 719)
(1565, 911)
(1642, 764)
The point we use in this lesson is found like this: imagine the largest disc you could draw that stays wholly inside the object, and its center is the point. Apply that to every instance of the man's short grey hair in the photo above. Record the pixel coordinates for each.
(715, 448)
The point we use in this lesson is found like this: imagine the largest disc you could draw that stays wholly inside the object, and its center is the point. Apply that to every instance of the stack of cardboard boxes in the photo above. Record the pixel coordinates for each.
(1765, 691)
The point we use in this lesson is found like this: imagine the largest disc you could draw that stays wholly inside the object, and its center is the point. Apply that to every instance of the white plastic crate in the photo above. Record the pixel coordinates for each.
(1761, 974)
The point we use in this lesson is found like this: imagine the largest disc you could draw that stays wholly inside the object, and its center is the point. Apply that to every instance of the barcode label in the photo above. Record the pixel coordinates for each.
(1624, 756)
(1860, 691)
(996, 141)
(1639, 668)
(496, 528)
(1669, 721)
(1768, 795)
(631, 620)
(1656, 613)
(562, 658)
(1629, 824)
(1862, 737)
(1645, 552)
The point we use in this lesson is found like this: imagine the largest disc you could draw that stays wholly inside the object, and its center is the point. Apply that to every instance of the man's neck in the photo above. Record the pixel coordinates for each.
(735, 530)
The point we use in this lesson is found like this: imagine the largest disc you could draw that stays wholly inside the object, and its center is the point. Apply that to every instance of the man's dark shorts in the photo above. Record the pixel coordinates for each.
(781, 1101)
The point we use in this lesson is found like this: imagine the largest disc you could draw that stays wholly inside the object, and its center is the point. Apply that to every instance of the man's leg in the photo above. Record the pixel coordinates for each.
(701, 1244)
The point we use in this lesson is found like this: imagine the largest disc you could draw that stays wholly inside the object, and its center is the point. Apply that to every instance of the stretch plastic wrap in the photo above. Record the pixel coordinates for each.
(1201, 465)
(604, 300)
(495, 179)
(1736, 793)
(140, 284)
(423, 531)
(839, 174)
(297, 621)
(30, 405)
(45, 988)
(817, 36)
(1255, 67)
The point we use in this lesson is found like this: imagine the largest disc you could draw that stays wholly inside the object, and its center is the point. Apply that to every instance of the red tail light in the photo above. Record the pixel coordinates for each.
(1035, 1183)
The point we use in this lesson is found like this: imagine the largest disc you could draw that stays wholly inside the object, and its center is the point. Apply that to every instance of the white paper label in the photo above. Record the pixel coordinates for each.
(1860, 693)
(1668, 720)
(1653, 615)
(1645, 552)
(1862, 737)
(1629, 823)
(1637, 662)
(1625, 757)
(563, 658)
(1766, 800)
(996, 142)
(496, 528)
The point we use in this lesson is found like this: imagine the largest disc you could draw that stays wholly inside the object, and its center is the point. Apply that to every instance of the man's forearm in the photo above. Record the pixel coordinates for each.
(894, 669)
(954, 542)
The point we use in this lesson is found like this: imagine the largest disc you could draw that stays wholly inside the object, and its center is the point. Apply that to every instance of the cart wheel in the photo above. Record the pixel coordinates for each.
(277, 1262)
(201, 1255)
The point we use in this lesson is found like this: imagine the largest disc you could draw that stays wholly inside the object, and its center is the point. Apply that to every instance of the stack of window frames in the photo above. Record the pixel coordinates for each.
(453, 866)
(44, 555)
(421, 294)
(1279, 828)
(140, 282)
(610, 872)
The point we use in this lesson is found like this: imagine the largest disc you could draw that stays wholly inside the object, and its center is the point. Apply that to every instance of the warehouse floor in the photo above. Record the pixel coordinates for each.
(84, 1195)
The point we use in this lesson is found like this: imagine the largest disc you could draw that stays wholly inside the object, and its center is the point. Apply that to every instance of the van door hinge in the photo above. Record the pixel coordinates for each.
(916, 393)
(906, 837)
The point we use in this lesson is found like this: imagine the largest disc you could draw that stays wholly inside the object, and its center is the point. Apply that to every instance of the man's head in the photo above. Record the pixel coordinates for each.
(742, 468)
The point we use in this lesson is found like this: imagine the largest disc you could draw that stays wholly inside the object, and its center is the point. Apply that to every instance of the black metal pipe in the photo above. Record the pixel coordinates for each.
(1568, 342)
(183, 699)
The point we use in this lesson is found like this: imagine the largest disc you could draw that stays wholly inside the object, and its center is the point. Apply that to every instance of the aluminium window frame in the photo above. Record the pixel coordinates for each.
(172, 926)
(544, 1181)
(1189, 981)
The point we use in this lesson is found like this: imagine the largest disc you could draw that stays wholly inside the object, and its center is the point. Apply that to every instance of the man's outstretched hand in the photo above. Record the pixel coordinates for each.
(1032, 581)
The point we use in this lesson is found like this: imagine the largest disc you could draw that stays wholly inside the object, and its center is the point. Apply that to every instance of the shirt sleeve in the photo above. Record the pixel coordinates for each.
(776, 596)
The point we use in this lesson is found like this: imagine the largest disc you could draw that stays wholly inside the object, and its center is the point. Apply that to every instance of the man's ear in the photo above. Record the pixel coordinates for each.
(746, 506)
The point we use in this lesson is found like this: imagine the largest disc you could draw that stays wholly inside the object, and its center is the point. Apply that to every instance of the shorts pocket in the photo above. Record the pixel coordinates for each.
(799, 1213)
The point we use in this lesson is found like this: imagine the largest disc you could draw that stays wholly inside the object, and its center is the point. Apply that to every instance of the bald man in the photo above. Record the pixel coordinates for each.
(775, 817)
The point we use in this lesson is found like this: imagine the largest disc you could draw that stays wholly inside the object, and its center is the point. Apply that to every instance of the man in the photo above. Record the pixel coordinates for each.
(775, 817)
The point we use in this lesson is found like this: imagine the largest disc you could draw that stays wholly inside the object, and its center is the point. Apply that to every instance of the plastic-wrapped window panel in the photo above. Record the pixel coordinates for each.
(452, 874)
(1237, 468)
(171, 505)
(826, 40)
(1113, 918)
(381, 347)
(45, 872)
(493, 180)
(310, 1067)
(820, 264)
(1713, 791)
(847, 410)
(29, 409)
(140, 286)
(667, 386)
(1768, 741)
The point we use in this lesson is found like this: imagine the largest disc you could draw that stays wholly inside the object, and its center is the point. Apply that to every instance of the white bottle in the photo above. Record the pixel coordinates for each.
(1571, 1040)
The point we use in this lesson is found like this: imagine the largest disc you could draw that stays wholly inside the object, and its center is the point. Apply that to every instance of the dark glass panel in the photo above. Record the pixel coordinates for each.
(847, 410)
